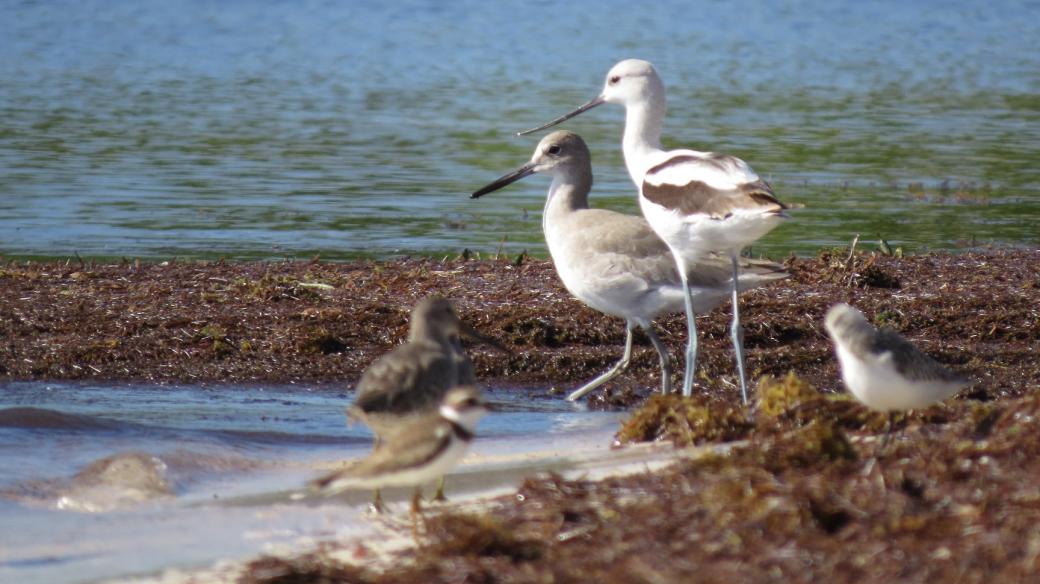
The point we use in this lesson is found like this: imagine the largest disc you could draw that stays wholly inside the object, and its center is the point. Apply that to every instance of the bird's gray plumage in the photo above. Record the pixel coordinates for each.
(863, 340)
(413, 378)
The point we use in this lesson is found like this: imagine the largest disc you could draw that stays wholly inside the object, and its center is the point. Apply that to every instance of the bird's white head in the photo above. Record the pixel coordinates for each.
(465, 406)
(842, 318)
(632, 81)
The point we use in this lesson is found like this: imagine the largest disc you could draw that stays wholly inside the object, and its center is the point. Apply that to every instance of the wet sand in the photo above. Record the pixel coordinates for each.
(809, 496)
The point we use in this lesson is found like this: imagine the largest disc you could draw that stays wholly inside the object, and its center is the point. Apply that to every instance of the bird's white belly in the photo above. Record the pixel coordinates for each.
(407, 477)
(696, 235)
(621, 295)
(876, 383)
(439, 467)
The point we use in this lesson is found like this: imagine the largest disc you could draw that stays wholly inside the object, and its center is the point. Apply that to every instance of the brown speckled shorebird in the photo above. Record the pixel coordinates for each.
(410, 381)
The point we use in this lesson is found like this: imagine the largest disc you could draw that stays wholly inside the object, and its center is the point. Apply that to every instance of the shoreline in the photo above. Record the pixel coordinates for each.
(293, 322)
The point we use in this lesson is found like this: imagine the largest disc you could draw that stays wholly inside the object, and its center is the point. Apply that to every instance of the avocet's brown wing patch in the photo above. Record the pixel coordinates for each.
(709, 184)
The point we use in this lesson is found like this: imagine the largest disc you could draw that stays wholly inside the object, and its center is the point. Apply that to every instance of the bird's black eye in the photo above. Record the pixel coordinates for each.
(554, 149)
(615, 79)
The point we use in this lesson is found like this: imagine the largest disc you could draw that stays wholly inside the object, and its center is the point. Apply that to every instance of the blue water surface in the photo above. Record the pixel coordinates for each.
(269, 129)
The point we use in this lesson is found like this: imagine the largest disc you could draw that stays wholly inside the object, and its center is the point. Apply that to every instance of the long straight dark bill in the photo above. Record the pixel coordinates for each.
(504, 180)
(564, 117)
(472, 333)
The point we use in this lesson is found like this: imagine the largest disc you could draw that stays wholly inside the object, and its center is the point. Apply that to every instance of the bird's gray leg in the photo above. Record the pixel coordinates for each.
(888, 429)
(611, 373)
(666, 363)
(736, 332)
(691, 330)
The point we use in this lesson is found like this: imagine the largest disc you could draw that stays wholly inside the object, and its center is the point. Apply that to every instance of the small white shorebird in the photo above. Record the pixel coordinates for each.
(424, 448)
(614, 262)
(411, 380)
(697, 202)
(882, 369)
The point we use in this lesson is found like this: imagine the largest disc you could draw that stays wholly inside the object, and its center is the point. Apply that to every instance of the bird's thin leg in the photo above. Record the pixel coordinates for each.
(377, 502)
(666, 362)
(736, 331)
(691, 330)
(417, 500)
(611, 373)
(888, 429)
(415, 512)
(439, 495)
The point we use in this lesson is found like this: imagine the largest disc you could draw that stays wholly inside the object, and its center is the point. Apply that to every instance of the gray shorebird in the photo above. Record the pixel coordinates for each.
(697, 202)
(424, 448)
(615, 263)
(410, 381)
(882, 369)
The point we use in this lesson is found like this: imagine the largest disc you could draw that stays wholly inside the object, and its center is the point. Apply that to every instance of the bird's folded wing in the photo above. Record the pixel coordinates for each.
(393, 381)
(909, 361)
(708, 184)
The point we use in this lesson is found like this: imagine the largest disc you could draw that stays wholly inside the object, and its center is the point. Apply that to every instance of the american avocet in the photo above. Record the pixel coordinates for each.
(882, 369)
(421, 450)
(614, 262)
(697, 202)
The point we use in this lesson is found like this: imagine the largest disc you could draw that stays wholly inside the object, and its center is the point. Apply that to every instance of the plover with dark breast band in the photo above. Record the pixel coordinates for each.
(424, 448)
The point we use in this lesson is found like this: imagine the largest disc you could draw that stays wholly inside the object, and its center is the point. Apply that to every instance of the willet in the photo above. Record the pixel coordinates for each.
(882, 369)
(423, 449)
(411, 380)
(615, 263)
(696, 202)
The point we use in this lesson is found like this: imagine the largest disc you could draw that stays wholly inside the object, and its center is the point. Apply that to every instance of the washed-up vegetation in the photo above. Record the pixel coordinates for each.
(812, 487)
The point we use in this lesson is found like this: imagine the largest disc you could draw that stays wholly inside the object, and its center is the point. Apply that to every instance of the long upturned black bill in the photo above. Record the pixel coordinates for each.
(504, 180)
(564, 117)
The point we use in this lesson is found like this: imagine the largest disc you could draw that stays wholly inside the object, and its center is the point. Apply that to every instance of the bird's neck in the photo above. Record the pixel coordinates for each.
(463, 424)
(567, 193)
(424, 332)
(461, 432)
(642, 138)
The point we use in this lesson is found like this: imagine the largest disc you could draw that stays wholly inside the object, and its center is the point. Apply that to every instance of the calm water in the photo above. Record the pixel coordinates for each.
(266, 129)
(215, 447)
